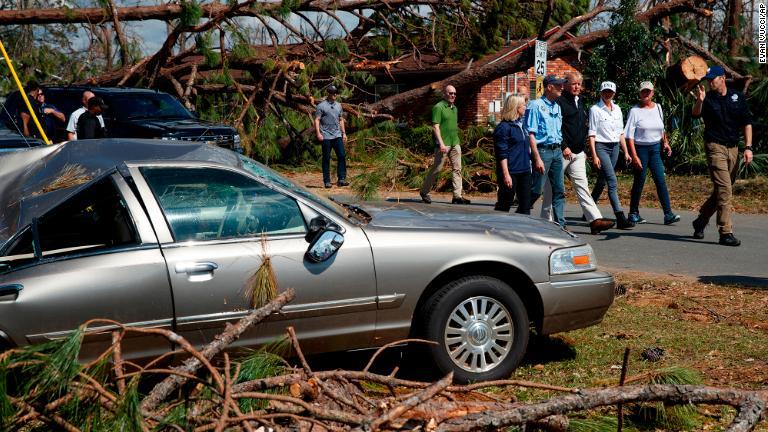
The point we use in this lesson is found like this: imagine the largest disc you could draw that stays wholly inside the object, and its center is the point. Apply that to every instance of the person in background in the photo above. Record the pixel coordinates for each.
(445, 126)
(28, 127)
(543, 122)
(50, 116)
(606, 137)
(513, 157)
(726, 114)
(88, 125)
(330, 130)
(575, 121)
(646, 140)
(75, 116)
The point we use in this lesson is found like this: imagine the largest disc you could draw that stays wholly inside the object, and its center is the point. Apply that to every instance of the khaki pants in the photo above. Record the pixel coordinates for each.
(723, 165)
(454, 154)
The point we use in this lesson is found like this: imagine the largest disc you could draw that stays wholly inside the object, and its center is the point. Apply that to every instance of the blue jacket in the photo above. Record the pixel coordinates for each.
(511, 143)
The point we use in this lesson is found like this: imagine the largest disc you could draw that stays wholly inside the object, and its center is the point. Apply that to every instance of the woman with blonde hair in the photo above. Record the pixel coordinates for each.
(513, 157)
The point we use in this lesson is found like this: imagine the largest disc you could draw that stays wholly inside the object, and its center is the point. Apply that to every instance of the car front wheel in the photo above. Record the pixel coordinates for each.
(481, 327)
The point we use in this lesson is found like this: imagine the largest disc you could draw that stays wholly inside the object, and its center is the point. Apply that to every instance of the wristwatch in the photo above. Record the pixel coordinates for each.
(749, 147)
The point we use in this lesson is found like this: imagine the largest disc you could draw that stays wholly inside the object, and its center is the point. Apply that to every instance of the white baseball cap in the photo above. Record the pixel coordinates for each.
(608, 85)
(646, 85)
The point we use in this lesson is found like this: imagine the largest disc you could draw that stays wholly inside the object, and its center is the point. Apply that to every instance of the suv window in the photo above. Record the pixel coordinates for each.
(147, 105)
(211, 204)
(96, 218)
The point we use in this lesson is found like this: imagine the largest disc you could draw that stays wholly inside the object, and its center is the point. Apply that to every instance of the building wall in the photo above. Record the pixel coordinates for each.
(475, 106)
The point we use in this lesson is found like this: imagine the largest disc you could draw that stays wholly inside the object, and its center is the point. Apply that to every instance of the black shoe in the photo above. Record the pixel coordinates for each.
(425, 198)
(729, 240)
(622, 222)
(328, 185)
(698, 228)
(343, 183)
(460, 200)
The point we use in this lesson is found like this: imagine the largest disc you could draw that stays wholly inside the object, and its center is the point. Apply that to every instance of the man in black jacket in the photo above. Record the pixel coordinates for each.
(88, 125)
(575, 128)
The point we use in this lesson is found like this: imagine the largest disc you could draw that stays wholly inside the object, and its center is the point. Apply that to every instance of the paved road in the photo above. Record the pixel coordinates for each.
(670, 249)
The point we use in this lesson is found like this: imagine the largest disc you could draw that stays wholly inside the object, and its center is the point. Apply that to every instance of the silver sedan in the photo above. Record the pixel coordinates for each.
(166, 234)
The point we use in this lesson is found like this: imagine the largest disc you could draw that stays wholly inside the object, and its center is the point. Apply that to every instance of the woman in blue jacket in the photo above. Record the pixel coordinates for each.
(513, 157)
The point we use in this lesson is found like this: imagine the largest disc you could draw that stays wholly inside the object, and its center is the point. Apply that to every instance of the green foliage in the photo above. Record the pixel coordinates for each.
(191, 12)
(287, 6)
(420, 139)
(337, 48)
(241, 47)
(257, 364)
(676, 417)
(57, 369)
(627, 67)
(597, 424)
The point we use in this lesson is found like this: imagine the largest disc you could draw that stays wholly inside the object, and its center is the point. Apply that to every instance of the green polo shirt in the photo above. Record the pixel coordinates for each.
(448, 118)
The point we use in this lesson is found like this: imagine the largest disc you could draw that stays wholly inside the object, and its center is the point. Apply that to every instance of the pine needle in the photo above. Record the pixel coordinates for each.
(59, 368)
(261, 288)
(677, 417)
(597, 424)
(6, 409)
(71, 175)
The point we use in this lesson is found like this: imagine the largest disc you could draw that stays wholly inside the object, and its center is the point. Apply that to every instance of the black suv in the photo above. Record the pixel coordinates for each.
(142, 113)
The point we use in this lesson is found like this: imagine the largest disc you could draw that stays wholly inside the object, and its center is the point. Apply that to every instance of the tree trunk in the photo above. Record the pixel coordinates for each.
(735, 8)
(686, 73)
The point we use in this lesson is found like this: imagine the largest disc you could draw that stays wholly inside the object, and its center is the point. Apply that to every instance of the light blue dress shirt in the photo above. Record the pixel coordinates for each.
(544, 119)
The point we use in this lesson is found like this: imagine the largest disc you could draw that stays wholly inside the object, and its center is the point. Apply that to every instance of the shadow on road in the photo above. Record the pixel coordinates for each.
(750, 281)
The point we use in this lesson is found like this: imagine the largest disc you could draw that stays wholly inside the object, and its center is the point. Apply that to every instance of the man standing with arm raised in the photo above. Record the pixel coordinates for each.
(725, 113)
(445, 125)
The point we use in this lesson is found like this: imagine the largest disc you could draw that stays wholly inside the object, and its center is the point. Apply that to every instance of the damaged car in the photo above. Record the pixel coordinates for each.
(167, 234)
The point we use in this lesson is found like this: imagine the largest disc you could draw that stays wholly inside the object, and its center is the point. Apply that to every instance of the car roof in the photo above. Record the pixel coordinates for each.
(42, 172)
(103, 90)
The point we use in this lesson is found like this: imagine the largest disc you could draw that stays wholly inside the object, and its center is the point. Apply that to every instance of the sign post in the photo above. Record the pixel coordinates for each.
(540, 66)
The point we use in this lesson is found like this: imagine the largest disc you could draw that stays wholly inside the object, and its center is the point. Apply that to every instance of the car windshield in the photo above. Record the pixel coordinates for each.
(148, 105)
(272, 176)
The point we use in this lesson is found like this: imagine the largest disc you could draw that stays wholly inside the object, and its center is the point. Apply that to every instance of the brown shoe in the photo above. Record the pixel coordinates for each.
(598, 225)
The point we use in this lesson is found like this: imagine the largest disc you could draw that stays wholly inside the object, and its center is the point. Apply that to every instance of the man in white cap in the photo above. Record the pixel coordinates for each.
(726, 114)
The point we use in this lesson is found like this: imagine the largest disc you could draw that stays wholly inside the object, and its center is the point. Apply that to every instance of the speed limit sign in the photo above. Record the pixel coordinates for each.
(540, 61)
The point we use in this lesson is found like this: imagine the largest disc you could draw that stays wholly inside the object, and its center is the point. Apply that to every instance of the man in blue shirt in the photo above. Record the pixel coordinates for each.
(543, 121)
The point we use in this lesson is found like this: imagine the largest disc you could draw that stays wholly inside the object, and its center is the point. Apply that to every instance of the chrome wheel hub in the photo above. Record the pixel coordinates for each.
(479, 334)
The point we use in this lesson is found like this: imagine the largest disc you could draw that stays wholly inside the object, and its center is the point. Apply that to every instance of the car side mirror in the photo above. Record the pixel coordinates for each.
(317, 225)
(324, 245)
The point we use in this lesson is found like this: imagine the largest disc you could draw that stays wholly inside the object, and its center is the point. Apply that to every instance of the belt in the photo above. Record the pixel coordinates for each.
(548, 146)
(726, 145)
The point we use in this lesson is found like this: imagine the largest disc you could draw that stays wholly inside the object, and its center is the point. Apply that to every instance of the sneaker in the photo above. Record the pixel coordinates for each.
(425, 198)
(698, 228)
(671, 218)
(328, 185)
(637, 219)
(599, 225)
(460, 200)
(729, 240)
(343, 183)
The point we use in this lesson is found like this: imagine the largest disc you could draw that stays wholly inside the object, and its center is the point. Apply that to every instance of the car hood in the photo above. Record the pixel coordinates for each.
(183, 127)
(479, 218)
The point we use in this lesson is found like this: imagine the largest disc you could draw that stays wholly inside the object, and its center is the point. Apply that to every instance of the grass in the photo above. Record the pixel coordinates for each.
(721, 332)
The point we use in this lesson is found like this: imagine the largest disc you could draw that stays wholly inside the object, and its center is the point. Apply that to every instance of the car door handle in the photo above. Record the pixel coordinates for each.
(10, 289)
(196, 267)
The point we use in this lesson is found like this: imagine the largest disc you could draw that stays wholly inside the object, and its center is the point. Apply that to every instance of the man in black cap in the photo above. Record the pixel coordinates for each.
(329, 127)
(544, 121)
(726, 114)
(88, 125)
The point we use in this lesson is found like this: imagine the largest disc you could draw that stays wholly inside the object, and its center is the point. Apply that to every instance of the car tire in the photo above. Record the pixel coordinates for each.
(481, 328)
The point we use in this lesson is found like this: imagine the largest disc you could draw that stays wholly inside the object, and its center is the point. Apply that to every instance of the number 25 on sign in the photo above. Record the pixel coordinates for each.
(540, 60)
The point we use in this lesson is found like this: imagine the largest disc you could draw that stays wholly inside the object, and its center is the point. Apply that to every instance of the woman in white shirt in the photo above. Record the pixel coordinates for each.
(646, 140)
(606, 137)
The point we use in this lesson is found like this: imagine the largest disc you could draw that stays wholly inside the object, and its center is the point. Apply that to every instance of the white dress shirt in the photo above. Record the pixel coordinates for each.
(604, 124)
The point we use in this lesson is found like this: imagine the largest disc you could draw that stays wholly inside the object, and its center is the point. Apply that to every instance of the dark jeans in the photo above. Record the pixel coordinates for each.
(521, 185)
(608, 153)
(650, 158)
(337, 144)
(553, 169)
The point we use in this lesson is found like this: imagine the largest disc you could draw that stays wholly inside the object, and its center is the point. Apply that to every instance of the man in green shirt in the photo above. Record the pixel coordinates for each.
(445, 125)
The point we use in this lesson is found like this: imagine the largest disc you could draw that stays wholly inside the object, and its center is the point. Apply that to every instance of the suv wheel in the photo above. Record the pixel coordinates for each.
(481, 327)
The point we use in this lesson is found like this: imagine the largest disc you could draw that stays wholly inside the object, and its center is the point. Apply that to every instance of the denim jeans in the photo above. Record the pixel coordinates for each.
(552, 156)
(608, 153)
(650, 158)
(337, 144)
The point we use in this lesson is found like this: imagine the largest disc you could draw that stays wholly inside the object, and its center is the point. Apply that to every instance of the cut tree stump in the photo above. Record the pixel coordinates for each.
(688, 72)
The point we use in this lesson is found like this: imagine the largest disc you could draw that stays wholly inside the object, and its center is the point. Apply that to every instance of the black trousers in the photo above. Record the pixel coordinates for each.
(521, 186)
